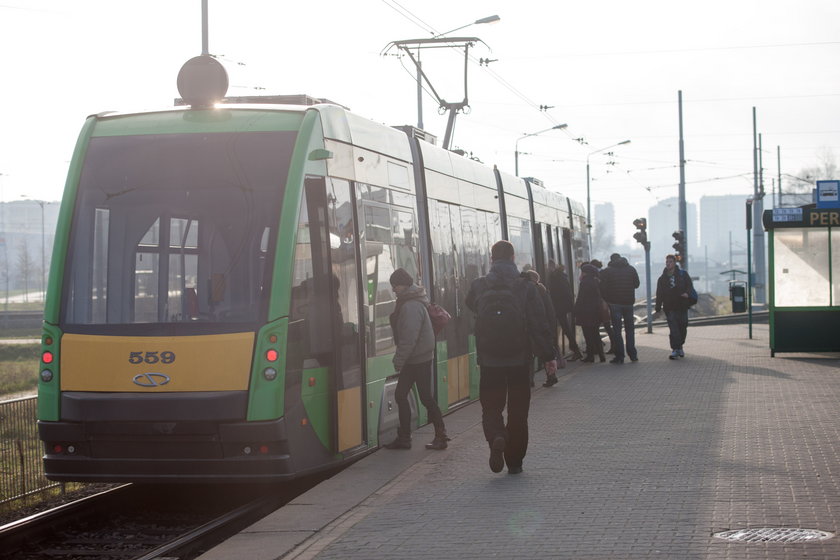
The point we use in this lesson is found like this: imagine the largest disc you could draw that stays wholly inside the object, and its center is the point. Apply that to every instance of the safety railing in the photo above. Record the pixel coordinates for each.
(21, 471)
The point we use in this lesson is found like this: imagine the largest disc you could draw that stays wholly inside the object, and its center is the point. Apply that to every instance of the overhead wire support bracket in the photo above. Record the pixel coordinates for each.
(436, 43)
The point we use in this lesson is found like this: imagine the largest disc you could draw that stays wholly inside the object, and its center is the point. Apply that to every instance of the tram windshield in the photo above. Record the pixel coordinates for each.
(175, 228)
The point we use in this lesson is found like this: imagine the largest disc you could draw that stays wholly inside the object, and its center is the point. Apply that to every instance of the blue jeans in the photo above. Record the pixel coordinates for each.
(623, 313)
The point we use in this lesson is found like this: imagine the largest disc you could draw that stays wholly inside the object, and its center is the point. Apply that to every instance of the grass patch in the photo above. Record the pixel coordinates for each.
(19, 365)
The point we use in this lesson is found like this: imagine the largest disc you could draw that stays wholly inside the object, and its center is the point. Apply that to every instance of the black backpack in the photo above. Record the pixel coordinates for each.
(500, 324)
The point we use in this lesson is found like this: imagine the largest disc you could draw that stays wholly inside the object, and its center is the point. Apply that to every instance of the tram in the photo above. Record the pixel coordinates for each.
(218, 301)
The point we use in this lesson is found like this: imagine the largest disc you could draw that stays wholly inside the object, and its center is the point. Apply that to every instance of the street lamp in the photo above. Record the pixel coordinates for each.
(588, 202)
(488, 19)
(516, 148)
(43, 259)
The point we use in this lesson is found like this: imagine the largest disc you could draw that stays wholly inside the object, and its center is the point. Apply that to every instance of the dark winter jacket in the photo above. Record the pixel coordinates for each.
(539, 330)
(619, 281)
(588, 304)
(561, 292)
(669, 290)
(412, 328)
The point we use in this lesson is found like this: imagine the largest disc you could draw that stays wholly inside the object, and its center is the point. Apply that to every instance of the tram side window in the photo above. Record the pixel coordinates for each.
(443, 255)
(389, 241)
(520, 237)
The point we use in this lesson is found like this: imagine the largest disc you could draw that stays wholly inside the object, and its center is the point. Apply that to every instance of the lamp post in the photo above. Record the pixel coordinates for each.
(488, 19)
(588, 202)
(516, 145)
(43, 258)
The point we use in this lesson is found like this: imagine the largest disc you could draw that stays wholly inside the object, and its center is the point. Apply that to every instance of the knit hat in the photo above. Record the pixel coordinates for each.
(589, 269)
(401, 278)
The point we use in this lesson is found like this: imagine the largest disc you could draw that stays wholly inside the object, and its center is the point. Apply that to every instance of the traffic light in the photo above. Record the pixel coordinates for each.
(641, 235)
(679, 246)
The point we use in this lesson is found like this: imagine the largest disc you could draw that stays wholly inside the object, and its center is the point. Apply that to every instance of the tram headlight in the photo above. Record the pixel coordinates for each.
(46, 376)
(270, 374)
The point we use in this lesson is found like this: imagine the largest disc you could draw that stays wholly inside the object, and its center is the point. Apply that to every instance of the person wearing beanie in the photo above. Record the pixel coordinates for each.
(415, 340)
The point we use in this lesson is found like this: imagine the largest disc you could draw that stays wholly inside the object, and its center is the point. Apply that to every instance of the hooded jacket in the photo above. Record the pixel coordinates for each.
(412, 328)
(539, 330)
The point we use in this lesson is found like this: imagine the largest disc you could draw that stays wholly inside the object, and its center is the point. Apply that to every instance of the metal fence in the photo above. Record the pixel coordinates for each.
(21, 470)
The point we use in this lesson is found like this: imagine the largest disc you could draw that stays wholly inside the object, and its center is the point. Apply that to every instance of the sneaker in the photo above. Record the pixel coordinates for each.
(515, 470)
(497, 454)
(399, 443)
(617, 361)
(674, 355)
(682, 354)
(550, 381)
(636, 359)
(438, 443)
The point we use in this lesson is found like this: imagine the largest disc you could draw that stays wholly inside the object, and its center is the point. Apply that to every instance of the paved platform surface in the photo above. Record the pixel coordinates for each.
(641, 460)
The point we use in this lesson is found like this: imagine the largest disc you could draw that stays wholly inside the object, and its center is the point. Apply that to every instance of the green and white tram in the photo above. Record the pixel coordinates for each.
(218, 300)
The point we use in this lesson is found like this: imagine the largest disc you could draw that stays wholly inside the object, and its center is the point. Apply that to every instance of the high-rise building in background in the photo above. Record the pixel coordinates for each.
(723, 228)
(663, 221)
(603, 230)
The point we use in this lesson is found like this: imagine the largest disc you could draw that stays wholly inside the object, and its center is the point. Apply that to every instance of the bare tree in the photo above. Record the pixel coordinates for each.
(796, 189)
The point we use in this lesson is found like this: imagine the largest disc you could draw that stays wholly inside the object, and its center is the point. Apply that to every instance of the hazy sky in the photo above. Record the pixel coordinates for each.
(609, 69)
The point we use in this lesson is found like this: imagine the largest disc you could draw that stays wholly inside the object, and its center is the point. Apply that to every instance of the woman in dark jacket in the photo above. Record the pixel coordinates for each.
(534, 277)
(588, 312)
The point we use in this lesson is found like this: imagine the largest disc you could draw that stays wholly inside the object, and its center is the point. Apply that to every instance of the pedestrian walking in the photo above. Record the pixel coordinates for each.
(588, 312)
(564, 302)
(534, 277)
(672, 294)
(415, 342)
(618, 288)
(510, 324)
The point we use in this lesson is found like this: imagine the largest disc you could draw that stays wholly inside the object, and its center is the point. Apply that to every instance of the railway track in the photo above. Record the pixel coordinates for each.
(133, 522)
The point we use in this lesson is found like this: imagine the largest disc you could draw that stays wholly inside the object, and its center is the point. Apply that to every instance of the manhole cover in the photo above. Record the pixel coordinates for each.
(774, 535)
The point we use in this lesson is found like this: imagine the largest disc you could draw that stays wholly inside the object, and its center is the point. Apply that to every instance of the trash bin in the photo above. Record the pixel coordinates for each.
(738, 296)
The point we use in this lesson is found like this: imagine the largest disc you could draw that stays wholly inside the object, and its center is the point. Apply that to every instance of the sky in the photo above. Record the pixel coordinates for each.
(610, 70)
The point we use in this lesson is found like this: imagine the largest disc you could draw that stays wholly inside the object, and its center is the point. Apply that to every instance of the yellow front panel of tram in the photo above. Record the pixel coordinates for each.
(220, 362)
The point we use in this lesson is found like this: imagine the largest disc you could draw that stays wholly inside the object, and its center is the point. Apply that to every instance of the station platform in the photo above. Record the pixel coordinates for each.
(640, 460)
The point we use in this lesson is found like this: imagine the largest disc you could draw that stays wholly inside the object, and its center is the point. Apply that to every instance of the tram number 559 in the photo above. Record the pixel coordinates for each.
(165, 357)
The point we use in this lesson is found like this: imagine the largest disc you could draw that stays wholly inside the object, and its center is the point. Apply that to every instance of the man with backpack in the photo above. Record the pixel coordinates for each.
(510, 324)
(415, 340)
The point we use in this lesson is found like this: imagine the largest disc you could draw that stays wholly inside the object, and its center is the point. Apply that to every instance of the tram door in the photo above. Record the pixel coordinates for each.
(332, 306)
